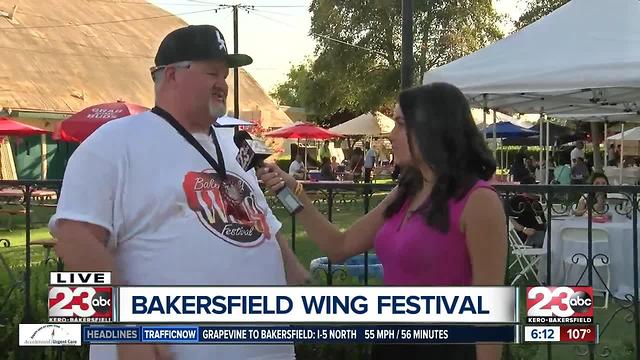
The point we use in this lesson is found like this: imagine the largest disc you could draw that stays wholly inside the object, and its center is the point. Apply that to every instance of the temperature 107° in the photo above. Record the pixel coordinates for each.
(578, 334)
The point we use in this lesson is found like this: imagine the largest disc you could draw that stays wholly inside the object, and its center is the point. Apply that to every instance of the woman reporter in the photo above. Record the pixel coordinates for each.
(443, 225)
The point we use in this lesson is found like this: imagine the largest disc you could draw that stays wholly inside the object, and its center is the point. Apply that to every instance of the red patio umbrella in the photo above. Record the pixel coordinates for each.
(79, 126)
(302, 130)
(10, 127)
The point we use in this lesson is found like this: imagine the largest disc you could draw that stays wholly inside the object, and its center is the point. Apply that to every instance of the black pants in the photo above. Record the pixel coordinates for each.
(367, 175)
(423, 352)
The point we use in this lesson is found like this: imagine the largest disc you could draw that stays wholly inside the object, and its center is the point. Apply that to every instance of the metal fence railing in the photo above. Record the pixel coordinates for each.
(613, 267)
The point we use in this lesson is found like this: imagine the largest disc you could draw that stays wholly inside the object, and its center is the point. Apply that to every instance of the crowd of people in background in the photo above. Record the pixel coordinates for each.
(565, 168)
(358, 166)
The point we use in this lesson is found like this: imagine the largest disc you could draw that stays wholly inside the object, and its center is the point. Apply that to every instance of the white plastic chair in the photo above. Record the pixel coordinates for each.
(526, 256)
(577, 239)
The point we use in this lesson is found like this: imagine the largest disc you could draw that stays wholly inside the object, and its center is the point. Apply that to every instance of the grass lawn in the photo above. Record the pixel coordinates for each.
(618, 337)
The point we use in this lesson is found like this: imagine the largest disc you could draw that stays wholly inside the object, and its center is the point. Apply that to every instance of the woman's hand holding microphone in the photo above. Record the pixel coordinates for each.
(275, 179)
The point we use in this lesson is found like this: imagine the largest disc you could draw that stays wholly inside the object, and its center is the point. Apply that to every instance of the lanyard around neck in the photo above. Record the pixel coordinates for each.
(218, 166)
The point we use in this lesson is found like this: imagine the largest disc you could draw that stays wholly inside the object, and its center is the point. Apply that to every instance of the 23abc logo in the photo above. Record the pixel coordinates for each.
(80, 302)
(561, 301)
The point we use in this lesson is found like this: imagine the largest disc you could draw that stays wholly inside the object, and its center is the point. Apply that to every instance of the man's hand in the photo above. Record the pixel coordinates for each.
(144, 352)
(529, 231)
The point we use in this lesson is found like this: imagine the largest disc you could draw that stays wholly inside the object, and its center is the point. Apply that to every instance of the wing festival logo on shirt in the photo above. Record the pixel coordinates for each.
(228, 208)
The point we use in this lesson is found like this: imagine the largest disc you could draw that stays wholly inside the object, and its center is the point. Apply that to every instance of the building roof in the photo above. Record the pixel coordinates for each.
(60, 56)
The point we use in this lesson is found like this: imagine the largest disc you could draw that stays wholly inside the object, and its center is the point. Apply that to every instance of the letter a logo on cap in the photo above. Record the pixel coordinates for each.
(221, 41)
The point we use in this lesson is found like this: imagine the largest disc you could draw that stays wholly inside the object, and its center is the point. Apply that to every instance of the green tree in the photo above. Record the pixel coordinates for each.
(365, 75)
(293, 92)
(535, 10)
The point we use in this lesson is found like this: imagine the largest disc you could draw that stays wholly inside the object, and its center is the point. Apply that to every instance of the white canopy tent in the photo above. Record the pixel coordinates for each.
(607, 118)
(581, 59)
(369, 124)
(629, 135)
(226, 121)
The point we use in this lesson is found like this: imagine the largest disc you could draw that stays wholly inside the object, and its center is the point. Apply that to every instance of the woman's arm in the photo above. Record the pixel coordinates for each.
(483, 223)
(358, 238)
(581, 208)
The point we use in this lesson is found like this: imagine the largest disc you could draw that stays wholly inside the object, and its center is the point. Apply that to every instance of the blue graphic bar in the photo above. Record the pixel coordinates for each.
(347, 334)
(170, 334)
(110, 334)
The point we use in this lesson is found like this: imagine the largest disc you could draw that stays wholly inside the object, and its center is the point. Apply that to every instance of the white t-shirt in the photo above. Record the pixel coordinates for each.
(575, 154)
(295, 167)
(369, 158)
(171, 220)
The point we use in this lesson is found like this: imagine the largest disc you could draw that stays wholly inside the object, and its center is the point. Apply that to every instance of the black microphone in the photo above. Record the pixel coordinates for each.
(251, 154)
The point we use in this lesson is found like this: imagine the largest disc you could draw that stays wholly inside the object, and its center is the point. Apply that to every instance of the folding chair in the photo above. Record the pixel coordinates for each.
(526, 256)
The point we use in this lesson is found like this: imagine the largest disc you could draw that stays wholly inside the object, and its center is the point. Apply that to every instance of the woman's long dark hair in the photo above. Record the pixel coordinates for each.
(438, 117)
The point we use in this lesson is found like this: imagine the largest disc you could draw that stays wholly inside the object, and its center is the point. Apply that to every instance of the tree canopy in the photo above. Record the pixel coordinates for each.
(358, 54)
(535, 10)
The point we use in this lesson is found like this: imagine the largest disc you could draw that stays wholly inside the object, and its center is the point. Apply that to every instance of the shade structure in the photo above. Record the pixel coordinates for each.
(506, 129)
(558, 135)
(302, 130)
(368, 124)
(629, 135)
(10, 127)
(581, 58)
(228, 121)
(79, 126)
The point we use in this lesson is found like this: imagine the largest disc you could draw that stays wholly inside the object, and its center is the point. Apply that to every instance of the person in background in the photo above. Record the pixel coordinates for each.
(612, 155)
(297, 168)
(579, 172)
(562, 170)
(599, 207)
(528, 219)
(356, 163)
(619, 159)
(326, 172)
(443, 225)
(369, 162)
(324, 151)
(133, 201)
(334, 164)
(532, 164)
(519, 170)
(577, 152)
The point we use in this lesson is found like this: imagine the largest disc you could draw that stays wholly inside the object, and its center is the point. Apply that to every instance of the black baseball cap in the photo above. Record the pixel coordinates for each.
(194, 43)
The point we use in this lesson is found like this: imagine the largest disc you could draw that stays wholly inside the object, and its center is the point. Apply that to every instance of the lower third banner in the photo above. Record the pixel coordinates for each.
(408, 334)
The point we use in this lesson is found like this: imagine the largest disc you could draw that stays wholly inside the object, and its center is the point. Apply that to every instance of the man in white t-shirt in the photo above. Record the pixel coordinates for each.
(369, 162)
(577, 152)
(297, 169)
(141, 201)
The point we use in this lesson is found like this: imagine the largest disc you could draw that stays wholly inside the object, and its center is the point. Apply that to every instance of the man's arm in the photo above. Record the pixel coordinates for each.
(294, 270)
(84, 221)
(82, 247)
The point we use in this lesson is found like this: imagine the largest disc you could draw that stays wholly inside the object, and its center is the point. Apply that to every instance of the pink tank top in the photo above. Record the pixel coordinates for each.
(417, 254)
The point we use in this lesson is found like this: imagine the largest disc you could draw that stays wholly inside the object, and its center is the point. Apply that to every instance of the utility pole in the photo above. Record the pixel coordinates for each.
(406, 69)
(236, 71)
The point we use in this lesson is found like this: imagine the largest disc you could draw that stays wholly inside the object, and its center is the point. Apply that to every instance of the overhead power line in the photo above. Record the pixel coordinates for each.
(111, 21)
(257, 13)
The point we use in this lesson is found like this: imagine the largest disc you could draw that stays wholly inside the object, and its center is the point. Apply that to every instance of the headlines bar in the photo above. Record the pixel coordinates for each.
(399, 334)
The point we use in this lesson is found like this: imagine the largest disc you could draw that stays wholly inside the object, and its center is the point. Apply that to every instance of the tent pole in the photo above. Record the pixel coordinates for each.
(606, 144)
(484, 117)
(43, 157)
(546, 161)
(495, 140)
(540, 135)
(506, 160)
(621, 154)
